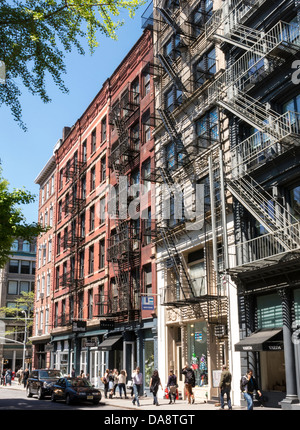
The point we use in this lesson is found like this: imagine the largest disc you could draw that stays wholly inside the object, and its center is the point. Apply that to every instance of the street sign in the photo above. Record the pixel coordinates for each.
(107, 325)
(147, 303)
(79, 326)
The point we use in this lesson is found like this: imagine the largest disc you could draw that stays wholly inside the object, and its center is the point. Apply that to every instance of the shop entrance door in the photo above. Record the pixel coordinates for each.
(128, 358)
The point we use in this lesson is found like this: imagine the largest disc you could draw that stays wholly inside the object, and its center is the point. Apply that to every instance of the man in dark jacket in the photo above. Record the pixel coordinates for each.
(248, 385)
(189, 381)
(225, 386)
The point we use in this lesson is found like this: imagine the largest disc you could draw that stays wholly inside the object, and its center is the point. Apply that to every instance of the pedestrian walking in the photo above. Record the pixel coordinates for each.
(105, 380)
(248, 386)
(116, 375)
(154, 385)
(73, 373)
(189, 382)
(225, 386)
(122, 383)
(25, 377)
(172, 386)
(8, 376)
(111, 383)
(137, 378)
(3, 377)
(19, 375)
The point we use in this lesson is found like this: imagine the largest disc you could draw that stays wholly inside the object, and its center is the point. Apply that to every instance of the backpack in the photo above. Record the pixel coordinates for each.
(190, 377)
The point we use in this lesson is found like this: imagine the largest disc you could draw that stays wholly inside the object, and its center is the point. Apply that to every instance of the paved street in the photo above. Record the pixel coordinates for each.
(14, 397)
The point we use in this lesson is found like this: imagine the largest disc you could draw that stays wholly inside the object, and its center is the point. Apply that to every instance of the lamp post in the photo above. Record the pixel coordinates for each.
(25, 339)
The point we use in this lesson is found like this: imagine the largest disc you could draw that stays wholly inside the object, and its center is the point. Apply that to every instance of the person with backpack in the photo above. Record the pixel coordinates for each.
(225, 386)
(248, 385)
(189, 382)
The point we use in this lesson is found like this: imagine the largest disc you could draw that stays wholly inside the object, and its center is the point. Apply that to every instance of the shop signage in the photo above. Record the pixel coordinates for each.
(90, 343)
(107, 325)
(78, 326)
(198, 335)
(147, 303)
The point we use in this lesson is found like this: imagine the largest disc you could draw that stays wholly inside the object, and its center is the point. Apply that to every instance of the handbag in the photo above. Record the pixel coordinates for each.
(129, 384)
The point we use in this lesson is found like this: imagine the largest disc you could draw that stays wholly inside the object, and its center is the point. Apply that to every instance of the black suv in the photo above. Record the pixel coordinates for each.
(40, 382)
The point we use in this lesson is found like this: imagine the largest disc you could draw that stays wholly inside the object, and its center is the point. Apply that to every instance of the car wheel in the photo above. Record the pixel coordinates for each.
(53, 399)
(68, 399)
(40, 394)
(28, 392)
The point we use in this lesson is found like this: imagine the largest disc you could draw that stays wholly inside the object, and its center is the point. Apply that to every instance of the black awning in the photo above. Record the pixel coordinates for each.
(263, 340)
(111, 343)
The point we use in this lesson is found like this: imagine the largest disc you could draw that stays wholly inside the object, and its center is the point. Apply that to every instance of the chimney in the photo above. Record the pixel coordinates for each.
(65, 132)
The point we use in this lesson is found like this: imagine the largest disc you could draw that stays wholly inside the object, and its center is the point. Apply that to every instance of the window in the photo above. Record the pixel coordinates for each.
(84, 154)
(93, 141)
(146, 124)
(13, 266)
(81, 264)
(82, 225)
(83, 187)
(48, 283)
(24, 287)
(171, 5)
(294, 197)
(103, 169)
(147, 279)
(102, 210)
(65, 243)
(171, 49)
(15, 246)
(67, 169)
(201, 15)
(57, 278)
(61, 175)
(59, 210)
(67, 203)
(26, 246)
(58, 243)
(135, 137)
(170, 156)
(205, 68)
(101, 254)
(92, 218)
(173, 98)
(135, 182)
(52, 184)
(93, 178)
(135, 92)
(47, 190)
(103, 129)
(147, 227)
(146, 173)
(146, 82)
(91, 259)
(292, 105)
(12, 287)
(51, 216)
(90, 304)
(207, 128)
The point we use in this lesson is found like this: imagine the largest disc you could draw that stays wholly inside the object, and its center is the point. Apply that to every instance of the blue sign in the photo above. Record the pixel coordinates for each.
(147, 303)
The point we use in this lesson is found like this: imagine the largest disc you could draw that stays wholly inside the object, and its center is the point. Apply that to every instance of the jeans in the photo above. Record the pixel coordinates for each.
(249, 399)
(155, 402)
(227, 392)
(136, 392)
(122, 387)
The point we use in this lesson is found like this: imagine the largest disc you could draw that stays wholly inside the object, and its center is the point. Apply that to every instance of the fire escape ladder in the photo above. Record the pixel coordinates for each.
(172, 72)
(169, 20)
(271, 215)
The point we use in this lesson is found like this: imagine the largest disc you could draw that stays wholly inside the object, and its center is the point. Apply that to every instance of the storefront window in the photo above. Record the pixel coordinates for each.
(197, 351)
(149, 360)
(269, 311)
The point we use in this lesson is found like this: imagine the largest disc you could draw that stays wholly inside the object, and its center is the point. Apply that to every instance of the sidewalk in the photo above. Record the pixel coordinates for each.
(147, 403)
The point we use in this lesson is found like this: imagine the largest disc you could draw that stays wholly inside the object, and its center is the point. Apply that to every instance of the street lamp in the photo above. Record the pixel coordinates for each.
(25, 339)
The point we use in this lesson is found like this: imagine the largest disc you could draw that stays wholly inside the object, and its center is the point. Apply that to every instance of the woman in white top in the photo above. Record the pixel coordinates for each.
(122, 383)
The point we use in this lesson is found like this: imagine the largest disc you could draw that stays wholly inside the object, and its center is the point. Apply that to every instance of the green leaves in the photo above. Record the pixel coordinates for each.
(12, 221)
(34, 36)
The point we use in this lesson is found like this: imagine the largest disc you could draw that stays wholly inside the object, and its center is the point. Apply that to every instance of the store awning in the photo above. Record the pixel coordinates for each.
(111, 343)
(263, 340)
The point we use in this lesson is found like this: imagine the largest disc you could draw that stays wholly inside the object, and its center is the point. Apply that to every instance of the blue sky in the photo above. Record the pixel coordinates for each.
(24, 154)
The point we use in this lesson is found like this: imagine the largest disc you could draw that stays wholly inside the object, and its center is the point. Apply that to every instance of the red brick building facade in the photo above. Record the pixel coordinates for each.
(102, 268)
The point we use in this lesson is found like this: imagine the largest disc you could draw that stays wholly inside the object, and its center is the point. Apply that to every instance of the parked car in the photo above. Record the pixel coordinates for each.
(75, 389)
(40, 382)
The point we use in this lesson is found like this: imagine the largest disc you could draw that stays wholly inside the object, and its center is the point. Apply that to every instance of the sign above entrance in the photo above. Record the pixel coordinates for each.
(107, 325)
(147, 303)
(79, 326)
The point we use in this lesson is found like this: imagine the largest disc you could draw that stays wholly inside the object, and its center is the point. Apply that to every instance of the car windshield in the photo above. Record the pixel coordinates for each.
(50, 374)
(78, 383)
